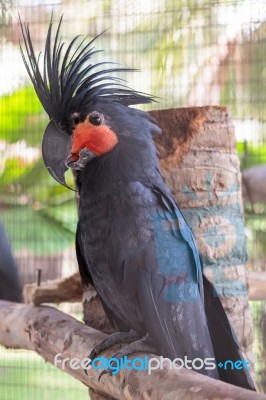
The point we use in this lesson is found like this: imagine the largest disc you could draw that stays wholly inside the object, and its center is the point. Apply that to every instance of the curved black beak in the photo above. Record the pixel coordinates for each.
(56, 146)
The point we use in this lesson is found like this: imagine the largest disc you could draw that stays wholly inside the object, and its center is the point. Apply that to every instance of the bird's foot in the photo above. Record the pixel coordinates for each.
(114, 338)
(144, 344)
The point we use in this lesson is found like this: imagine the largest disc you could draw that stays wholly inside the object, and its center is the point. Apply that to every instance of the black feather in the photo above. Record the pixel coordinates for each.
(10, 285)
(66, 81)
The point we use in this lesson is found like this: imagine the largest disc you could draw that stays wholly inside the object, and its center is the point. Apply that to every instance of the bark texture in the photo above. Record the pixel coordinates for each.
(69, 289)
(49, 332)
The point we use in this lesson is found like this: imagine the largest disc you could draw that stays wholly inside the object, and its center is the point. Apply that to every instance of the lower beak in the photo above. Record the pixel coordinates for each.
(78, 163)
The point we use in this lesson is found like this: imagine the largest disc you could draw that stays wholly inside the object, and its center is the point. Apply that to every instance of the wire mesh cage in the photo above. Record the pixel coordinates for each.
(188, 53)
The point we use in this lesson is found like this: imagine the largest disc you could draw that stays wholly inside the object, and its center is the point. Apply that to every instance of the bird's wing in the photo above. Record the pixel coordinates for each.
(225, 343)
(155, 260)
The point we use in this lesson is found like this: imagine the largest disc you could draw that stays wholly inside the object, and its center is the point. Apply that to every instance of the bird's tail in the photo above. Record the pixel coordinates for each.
(225, 344)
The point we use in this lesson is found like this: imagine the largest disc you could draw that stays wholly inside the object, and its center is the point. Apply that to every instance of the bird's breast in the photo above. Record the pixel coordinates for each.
(96, 227)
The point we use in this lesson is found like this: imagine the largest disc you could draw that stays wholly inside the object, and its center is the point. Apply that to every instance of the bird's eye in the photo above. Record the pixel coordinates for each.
(95, 119)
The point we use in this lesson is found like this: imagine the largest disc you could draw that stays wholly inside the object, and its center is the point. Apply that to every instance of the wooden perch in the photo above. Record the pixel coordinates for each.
(69, 289)
(49, 332)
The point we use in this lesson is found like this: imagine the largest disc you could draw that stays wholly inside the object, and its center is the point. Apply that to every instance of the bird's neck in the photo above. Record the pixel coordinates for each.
(130, 161)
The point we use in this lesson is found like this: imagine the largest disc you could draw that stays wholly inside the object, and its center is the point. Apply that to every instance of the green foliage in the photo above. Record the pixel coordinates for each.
(21, 118)
(43, 231)
(39, 214)
(251, 154)
(13, 171)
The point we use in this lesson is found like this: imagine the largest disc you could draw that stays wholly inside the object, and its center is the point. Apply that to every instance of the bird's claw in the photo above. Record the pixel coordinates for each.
(104, 372)
(88, 364)
(91, 357)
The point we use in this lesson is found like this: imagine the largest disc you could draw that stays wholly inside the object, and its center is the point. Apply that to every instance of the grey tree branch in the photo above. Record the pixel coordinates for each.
(49, 332)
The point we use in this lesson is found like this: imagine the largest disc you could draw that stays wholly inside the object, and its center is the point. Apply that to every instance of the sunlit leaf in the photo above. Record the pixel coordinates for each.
(21, 117)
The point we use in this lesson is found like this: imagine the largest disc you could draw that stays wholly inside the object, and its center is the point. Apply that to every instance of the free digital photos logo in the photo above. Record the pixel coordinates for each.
(145, 363)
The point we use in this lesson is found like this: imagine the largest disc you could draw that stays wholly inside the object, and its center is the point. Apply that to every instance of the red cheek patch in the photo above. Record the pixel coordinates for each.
(98, 139)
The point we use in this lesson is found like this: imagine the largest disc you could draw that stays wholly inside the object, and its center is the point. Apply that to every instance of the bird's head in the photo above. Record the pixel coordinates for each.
(87, 106)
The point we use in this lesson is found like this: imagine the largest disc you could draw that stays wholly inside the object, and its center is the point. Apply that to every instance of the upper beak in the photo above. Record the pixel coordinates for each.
(56, 146)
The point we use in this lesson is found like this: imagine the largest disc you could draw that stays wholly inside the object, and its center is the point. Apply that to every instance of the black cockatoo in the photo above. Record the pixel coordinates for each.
(10, 286)
(132, 241)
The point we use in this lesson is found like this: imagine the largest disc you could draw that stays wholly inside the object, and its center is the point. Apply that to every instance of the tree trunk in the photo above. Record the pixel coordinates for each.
(50, 332)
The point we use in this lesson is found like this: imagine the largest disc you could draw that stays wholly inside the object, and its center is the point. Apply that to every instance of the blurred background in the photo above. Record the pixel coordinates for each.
(189, 53)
